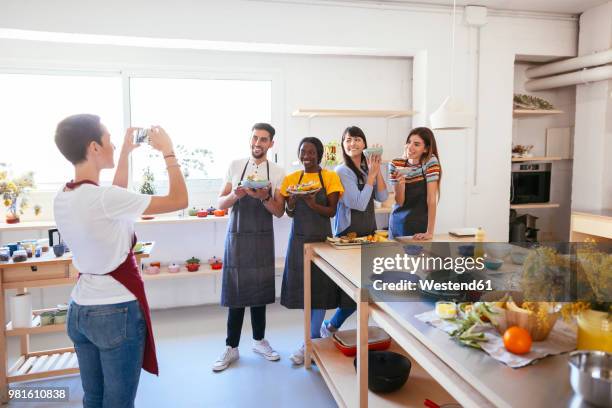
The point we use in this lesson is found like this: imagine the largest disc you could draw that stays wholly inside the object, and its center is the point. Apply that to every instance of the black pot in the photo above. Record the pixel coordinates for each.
(387, 371)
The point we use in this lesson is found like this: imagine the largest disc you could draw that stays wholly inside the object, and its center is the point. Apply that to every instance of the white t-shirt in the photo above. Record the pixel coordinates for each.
(277, 173)
(97, 224)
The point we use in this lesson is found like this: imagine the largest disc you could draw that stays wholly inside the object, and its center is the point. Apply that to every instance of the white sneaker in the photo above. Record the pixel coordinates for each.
(230, 355)
(298, 356)
(263, 347)
(327, 330)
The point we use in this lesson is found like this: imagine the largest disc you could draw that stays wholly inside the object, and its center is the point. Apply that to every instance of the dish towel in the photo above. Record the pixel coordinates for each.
(561, 339)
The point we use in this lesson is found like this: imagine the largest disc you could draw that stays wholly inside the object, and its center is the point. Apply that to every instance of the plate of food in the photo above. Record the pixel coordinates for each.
(304, 188)
(351, 240)
(253, 181)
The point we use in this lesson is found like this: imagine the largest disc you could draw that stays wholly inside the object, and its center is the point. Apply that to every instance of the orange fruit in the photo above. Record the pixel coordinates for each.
(517, 340)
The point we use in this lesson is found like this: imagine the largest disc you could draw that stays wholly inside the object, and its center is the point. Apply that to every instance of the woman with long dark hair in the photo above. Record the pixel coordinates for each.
(311, 215)
(418, 190)
(363, 183)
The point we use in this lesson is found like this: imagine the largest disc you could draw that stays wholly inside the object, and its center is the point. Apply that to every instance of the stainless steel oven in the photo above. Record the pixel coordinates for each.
(530, 183)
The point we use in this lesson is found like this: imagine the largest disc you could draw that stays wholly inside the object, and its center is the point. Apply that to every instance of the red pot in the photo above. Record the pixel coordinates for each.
(192, 267)
(202, 213)
(217, 265)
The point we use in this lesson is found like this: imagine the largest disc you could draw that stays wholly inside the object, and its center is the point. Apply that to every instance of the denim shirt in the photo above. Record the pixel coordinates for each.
(353, 199)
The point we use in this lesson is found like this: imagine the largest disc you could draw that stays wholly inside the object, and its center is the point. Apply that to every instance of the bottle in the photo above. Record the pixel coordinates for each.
(479, 247)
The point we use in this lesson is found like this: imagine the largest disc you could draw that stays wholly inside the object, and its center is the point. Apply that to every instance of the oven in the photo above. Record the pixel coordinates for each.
(530, 183)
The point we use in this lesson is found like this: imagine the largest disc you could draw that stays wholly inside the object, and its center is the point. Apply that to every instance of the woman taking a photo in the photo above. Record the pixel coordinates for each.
(417, 190)
(363, 182)
(311, 215)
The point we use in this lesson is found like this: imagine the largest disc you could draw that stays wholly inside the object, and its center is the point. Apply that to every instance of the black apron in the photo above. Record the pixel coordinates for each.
(307, 226)
(362, 222)
(411, 218)
(248, 261)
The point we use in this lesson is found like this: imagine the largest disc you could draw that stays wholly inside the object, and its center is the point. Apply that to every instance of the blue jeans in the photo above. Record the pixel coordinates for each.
(109, 343)
(318, 315)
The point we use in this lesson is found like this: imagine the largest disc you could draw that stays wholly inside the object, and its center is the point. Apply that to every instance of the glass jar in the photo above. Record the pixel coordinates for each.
(5, 254)
(20, 255)
(594, 331)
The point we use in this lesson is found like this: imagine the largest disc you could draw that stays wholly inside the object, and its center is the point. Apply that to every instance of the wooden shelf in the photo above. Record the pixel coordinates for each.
(533, 206)
(536, 158)
(205, 270)
(521, 113)
(341, 378)
(43, 364)
(388, 114)
(36, 327)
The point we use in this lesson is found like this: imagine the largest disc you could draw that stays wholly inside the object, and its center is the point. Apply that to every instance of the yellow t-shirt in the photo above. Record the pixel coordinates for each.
(331, 181)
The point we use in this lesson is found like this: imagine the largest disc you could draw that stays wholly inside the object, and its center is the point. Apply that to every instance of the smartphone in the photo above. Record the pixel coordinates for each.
(141, 136)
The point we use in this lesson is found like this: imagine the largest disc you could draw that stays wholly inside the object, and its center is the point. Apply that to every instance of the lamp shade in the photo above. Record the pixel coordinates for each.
(452, 114)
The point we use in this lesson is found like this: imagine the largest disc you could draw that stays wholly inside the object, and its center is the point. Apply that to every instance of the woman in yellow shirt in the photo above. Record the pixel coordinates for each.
(311, 215)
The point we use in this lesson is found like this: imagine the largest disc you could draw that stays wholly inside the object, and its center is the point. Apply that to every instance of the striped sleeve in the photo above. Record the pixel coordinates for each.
(432, 169)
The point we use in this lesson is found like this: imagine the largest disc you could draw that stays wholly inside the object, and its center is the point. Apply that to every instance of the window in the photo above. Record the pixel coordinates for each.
(215, 115)
(31, 107)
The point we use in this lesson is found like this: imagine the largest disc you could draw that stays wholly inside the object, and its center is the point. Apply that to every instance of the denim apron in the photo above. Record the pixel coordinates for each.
(362, 222)
(307, 226)
(248, 260)
(410, 218)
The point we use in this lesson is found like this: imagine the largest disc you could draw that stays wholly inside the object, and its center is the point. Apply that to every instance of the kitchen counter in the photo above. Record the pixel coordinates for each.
(471, 376)
(595, 225)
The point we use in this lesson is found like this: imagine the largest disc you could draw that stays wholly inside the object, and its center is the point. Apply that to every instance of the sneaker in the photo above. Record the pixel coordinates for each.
(297, 358)
(228, 357)
(263, 347)
(327, 329)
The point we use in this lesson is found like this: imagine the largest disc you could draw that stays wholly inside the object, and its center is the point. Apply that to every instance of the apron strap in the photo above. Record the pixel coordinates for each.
(244, 170)
(321, 180)
(301, 175)
(74, 184)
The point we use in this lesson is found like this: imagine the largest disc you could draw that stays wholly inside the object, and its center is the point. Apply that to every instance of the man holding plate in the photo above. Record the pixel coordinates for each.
(251, 189)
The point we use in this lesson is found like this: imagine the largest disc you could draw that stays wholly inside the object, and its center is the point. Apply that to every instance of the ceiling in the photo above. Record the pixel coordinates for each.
(549, 6)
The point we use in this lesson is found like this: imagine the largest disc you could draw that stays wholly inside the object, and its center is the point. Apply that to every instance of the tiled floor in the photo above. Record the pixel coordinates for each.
(189, 340)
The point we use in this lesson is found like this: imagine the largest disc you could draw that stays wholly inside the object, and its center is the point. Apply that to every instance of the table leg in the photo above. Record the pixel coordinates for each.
(307, 306)
(362, 348)
(3, 348)
(24, 343)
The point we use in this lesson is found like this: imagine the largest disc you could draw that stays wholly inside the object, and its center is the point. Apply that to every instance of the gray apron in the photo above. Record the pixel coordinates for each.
(248, 261)
(411, 218)
(307, 226)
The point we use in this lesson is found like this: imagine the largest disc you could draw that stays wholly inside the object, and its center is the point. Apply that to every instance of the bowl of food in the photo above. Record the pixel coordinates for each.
(382, 233)
(373, 151)
(255, 182)
(591, 376)
(493, 263)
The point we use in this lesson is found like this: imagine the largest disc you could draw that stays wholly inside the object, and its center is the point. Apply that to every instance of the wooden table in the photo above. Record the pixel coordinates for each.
(348, 389)
(45, 271)
(443, 368)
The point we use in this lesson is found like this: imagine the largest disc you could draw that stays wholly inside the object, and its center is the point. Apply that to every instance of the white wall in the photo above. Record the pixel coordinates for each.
(339, 29)
(592, 182)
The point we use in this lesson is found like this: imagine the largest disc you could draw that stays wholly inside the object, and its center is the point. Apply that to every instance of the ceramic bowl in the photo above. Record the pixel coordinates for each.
(59, 250)
(497, 250)
(372, 151)
(152, 270)
(412, 249)
(518, 257)
(255, 183)
(493, 263)
(174, 268)
(591, 376)
(466, 250)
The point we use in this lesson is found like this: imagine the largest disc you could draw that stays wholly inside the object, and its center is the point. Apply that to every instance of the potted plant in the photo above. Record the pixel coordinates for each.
(14, 195)
(148, 187)
(192, 264)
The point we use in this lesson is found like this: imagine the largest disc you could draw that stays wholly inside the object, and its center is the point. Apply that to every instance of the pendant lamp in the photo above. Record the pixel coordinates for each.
(453, 113)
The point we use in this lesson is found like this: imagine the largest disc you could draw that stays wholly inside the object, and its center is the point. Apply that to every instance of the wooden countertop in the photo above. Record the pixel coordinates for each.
(603, 213)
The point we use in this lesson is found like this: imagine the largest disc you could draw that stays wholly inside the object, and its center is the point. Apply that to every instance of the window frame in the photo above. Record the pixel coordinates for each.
(126, 72)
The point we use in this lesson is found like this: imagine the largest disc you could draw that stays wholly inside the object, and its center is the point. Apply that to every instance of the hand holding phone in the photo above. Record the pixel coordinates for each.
(141, 135)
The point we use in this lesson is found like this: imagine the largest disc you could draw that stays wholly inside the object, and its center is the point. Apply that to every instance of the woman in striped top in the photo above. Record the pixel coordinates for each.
(417, 187)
